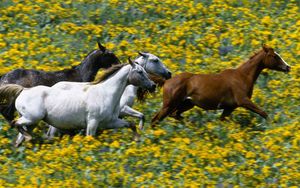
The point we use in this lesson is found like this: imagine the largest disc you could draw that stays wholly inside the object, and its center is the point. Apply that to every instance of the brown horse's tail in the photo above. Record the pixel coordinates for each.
(9, 93)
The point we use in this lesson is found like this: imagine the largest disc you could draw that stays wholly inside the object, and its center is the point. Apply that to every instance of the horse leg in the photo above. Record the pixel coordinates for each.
(226, 112)
(27, 123)
(20, 138)
(126, 110)
(248, 104)
(185, 105)
(51, 132)
(164, 112)
(119, 123)
(173, 94)
(92, 126)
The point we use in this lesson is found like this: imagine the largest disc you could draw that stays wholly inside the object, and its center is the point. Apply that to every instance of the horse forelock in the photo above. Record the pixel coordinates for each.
(109, 72)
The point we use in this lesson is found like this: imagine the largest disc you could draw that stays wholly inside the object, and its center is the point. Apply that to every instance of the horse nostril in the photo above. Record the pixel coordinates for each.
(169, 75)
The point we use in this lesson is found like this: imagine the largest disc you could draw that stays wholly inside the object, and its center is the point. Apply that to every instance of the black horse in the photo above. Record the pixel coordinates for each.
(84, 72)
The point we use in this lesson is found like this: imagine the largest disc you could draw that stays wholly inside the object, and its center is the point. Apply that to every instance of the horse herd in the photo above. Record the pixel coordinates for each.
(71, 100)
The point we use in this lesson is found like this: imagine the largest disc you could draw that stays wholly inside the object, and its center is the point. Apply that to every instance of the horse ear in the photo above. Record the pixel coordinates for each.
(265, 48)
(102, 48)
(143, 54)
(131, 62)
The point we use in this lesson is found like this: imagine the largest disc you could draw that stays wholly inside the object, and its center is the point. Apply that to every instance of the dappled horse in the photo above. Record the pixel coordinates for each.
(155, 68)
(84, 72)
(79, 105)
(227, 90)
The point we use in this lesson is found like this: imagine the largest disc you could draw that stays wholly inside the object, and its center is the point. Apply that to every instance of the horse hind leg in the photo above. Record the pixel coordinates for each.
(19, 123)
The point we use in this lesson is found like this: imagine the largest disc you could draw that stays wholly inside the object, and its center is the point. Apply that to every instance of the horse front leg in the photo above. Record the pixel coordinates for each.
(92, 126)
(51, 132)
(185, 105)
(119, 123)
(128, 111)
(248, 104)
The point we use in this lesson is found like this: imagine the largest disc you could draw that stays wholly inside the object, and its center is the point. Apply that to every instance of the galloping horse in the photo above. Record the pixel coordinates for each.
(84, 72)
(80, 106)
(227, 90)
(152, 65)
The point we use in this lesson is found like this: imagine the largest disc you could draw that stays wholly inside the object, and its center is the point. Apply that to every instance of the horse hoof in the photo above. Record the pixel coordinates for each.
(137, 138)
(13, 123)
(141, 127)
(28, 138)
(177, 117)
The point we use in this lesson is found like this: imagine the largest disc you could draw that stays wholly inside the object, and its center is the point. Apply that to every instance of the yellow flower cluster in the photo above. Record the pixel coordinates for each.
(193, 36)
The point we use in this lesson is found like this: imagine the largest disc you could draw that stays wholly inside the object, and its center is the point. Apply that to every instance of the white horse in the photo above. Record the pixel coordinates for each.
(80, 106)
(152, 65)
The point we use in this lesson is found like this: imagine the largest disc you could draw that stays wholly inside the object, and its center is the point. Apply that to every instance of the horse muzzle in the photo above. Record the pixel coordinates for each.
(168, 75)
(287, 69)
(152, 88)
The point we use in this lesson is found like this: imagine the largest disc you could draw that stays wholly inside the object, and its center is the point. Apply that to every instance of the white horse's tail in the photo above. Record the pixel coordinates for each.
(9, 93)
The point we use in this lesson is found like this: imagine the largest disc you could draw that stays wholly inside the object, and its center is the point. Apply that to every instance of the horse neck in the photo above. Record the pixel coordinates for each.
(252, 68)
(130, 90)
(116, 84)
(89, 67)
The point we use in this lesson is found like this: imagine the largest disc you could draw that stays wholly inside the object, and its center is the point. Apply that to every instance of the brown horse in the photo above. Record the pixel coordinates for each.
(226, 90)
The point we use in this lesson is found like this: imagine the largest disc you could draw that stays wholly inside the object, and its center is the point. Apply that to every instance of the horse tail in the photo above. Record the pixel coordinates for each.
(9, 93)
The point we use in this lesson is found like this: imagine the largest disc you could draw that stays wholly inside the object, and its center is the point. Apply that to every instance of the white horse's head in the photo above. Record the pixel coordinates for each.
(153, 65)
(138, 77)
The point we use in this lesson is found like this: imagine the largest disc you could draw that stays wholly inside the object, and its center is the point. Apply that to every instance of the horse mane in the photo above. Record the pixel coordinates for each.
(109, 72)
(76, 66)
(143, 93)
(255, 53)
(96, 50)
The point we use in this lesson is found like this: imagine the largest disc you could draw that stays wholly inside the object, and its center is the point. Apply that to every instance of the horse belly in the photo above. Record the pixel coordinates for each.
(214, 102)
(66, 111)
(66, 120)
(206, 104)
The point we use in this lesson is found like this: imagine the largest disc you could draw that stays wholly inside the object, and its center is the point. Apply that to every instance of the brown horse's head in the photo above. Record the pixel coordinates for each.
(274, 61)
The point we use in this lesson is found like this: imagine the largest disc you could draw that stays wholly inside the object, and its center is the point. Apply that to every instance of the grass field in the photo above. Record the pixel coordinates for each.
(194, 36)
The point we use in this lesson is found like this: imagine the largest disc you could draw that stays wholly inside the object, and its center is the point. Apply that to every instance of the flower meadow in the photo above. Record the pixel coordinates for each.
(193, 36)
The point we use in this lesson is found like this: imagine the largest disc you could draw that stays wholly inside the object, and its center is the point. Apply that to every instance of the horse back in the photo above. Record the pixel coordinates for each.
(31, 78)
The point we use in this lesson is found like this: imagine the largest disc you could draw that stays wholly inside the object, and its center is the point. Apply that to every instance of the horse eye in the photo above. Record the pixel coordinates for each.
(155, 60)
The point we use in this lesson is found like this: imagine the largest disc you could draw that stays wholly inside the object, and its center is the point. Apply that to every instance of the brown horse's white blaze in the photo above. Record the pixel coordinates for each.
(284, 66)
